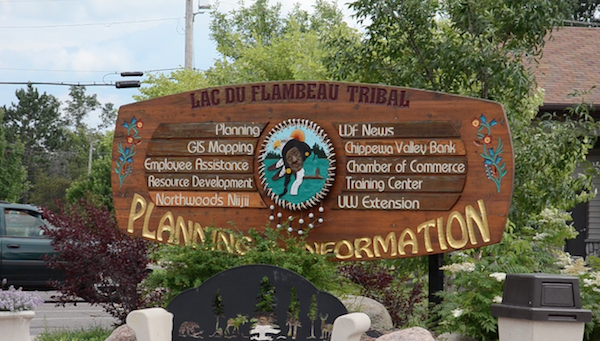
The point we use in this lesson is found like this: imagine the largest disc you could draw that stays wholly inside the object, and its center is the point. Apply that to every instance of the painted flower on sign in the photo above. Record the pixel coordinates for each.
(124, 164)
(495, 169)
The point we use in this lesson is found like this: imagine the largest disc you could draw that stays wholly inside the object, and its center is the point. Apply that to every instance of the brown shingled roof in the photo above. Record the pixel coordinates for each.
(570, 61)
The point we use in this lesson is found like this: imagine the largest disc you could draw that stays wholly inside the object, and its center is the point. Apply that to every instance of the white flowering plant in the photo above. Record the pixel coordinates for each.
(588, 272)
(14, 300)
(475, 278)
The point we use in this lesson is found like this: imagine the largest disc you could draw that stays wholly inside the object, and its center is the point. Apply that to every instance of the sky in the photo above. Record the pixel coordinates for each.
(93, 41)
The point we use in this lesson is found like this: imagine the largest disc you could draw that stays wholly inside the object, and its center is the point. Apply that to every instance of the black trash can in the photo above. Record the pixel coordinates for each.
(540, 307)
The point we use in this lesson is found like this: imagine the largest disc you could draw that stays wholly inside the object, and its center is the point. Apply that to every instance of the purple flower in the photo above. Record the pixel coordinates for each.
(18, 300)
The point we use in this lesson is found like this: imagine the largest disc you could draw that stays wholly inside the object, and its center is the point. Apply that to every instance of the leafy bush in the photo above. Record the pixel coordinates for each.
(102, 265)
(184, 267)
(476, 277)
(403, 296)
(539, 224)
(589, 285)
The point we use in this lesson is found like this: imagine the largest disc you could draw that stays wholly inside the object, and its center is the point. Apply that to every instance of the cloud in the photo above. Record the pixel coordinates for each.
(103, 36)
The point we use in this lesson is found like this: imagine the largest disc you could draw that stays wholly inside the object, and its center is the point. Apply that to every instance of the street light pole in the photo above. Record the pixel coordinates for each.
(90, 155)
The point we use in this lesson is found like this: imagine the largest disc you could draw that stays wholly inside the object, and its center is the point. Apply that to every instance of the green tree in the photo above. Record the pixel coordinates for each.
(293, 315)
(37, 122)
(13, 176)
(257, 43)
(96, 187)
(79, 106)
(477, 48)
(219, 312)
(56, 142)
(266, 300)
(312, 316)
(468, 47)
(108, 116)
(167, 84)
(583, 10)
(82, 138)
(481, 49)
(48, 189)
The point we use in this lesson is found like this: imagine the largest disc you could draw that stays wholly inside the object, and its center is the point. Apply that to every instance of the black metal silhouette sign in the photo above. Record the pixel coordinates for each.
(255, 302)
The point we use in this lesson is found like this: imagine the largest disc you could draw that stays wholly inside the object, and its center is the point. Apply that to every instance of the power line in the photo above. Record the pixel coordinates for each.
(48, 70)
(91, 24)
(82, 71)
(22, 1)
(118, 85)
(56, 83)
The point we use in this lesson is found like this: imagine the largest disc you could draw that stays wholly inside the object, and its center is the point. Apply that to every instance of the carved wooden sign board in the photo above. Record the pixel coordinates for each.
(372, 171)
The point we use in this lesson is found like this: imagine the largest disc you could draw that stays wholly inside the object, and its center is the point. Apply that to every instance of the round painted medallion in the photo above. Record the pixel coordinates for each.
(297, 164)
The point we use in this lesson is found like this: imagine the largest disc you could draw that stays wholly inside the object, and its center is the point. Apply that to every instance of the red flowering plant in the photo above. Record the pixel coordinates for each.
(101, 264)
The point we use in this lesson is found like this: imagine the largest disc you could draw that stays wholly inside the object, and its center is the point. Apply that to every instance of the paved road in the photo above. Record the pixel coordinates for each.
(49, 317)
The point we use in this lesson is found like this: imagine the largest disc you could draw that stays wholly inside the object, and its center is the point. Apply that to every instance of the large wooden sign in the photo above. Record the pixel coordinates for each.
(372, 171)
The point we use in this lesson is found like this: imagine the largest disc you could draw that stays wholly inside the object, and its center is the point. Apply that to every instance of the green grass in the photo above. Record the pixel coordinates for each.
(92, 334)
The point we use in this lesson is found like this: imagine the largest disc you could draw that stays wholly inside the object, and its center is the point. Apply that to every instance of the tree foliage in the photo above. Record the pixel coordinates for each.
(177, 81)
(36, 122)
(584, 10)
(96, 187)
(102, 265)
(483, 49)
(480, 49)
(13, 175)
(51, 143)
(258, 43)
(486, 49)
(79, 105)
(184, 267)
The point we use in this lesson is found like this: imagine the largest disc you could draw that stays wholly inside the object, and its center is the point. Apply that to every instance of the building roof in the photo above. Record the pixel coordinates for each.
(570, 61)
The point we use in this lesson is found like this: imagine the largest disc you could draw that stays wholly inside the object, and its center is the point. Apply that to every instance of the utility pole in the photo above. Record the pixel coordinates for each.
(189, 31)
(91, 152)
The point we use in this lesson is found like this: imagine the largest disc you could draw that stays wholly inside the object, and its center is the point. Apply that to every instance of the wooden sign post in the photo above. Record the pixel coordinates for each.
(372, 171)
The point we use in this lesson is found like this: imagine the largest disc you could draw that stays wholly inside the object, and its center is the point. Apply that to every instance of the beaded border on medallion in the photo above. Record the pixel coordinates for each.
(291, 149)
(312, 221)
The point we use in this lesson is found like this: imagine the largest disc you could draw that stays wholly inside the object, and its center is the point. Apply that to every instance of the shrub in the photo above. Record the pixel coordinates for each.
(404, 297)
(184, 267)
(102, 265)
(475, 277)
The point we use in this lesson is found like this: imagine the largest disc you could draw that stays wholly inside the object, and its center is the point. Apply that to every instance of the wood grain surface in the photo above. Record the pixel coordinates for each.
(413, 172)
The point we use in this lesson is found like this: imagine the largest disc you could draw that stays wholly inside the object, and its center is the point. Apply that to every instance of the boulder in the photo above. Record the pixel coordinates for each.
(409, 334)
(380, 318)
(123, 333)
